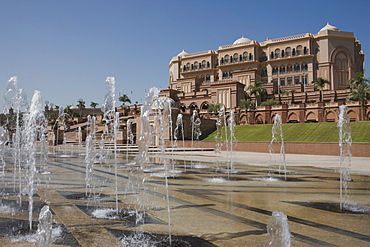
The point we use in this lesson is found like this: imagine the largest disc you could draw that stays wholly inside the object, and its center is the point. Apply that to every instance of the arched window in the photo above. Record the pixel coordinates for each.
(299, 50)
(250, 56)
(272, 55)
(289, 68)
(204, 105)
(293, 52)
(264, 72)
(240, 58)
(184, 68)
(277, 53)
(263, 57)
(183, 108)
(305, 51)
(208, 77)
(188, 66)
(236, 56)
(193, 106)
(282, 69)
(207, 64)
(304, 67)
(275, 71)
(192, 67)
(245, 56)
(226, 58)
(204, 63)
(288, 50)
(222, 60)
(225, 75)
(196, 64)
(282, 53)
(297, 68)
(341, 69)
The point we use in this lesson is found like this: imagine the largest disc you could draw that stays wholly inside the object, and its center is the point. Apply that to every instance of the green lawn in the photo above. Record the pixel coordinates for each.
(300, 132)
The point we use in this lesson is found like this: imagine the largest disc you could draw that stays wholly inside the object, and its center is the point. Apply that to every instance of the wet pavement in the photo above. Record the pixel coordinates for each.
(213, 202)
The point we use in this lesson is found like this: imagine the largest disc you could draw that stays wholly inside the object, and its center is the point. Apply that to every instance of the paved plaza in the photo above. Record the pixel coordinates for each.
(213, 201)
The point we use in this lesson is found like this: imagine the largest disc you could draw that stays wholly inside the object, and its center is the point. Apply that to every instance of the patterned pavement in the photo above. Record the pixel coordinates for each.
(210, 203)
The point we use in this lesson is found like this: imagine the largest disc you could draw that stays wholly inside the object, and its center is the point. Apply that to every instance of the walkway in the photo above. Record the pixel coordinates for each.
(209, 205)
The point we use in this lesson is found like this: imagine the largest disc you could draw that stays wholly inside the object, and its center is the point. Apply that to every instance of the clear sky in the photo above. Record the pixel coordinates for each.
(67, 48)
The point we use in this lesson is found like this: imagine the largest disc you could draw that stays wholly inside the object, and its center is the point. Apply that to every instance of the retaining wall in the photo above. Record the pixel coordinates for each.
(316, 148)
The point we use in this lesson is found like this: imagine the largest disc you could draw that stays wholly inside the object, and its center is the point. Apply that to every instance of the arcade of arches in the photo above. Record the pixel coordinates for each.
(288, 68)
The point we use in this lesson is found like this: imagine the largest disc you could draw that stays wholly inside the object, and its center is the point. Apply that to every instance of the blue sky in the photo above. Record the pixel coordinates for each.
(66, 49)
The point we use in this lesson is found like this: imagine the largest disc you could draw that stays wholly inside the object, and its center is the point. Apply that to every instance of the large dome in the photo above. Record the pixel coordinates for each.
(329, 27)
(163, 102)
(241, 40)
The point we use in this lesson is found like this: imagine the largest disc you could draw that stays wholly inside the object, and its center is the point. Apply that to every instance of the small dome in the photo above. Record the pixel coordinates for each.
(182, 53)
(329, 27)
(175, 58)
(241, 40)
(163, 102)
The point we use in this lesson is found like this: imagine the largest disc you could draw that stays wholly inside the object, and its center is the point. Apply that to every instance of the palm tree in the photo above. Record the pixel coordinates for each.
(93, 105)
(360, 91)
(214, 108)
(68, 110)
(358, 80)
(124, 98)
(257, 90)
(80, 105)
(245, 105)
(320, 84)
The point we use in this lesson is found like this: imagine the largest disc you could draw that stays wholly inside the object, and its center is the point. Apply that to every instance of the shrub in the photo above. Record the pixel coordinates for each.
(269, 102)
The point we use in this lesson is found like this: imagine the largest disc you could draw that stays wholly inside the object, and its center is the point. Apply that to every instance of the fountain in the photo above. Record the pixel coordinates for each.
(45, 230)
(34, 127)
(220, 124)
(145, 138)
(232, 140)
(195, 129)
(153, 210)
(279, 231)
(90, 160)
(179, 133)
(111, 118)
(278, 139)
(165, 120)
(16, 99)
(130, 137)
(4, 139)
(79, 136)
(345, 142)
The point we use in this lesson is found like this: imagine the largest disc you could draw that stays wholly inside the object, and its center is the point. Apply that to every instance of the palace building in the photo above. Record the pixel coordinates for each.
(288, 66)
